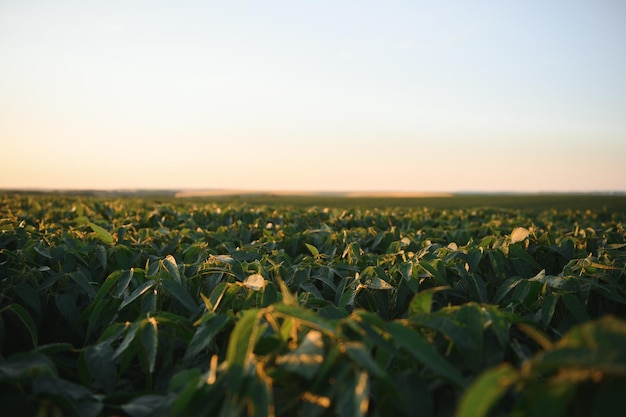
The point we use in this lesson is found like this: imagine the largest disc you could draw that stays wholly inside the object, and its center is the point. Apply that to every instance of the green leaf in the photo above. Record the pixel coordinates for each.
(124, 279)
(100, 362)
(26, 320)
(204, 334)
(149, 341)
(29, 295)
(66, 304)
(26, 364)
(176, 290)
(312, 249)
(500, 324)
(186, 384)
(424, 352)
(146, 405)
(484, 393)
(101, 255)
(82, 281)
(436, 270)
(521, 254)
(355, 399)
(242, 339)
(306, 316)
(359, 354)
(548, 307)
(376, 283)
(260, 398)
(137, 293)
(131, 332)
(576, 307)
(79, 401)
(422, 301)
(307, 358)
(106, 286)
(101, 233)
(172, 267)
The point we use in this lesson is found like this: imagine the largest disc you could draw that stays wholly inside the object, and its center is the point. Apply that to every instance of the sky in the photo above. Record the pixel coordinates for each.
(446, 96)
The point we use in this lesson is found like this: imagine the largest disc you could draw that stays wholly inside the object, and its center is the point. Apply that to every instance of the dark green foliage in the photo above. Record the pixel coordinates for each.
(187, 307)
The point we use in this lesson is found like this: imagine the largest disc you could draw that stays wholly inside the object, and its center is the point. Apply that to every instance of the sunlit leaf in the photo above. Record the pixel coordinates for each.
(312, 249)
(255, 282)
(172, 267)
(101, 233)
(519, 234)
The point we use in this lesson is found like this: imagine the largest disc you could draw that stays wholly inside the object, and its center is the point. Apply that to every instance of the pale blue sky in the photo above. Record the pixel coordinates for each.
(292, 95)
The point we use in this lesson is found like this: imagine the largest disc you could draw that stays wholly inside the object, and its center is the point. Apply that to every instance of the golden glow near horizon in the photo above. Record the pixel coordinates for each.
(409, 96)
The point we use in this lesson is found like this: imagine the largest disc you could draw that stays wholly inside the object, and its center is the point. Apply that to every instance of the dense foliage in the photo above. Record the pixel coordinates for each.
(172, 308)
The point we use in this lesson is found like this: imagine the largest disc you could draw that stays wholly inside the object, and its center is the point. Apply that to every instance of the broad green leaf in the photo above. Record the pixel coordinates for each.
(260, 398)
(217, 295)
(149, 341)
(548, 307)
(176, 290)
(24, 364)
(26, 320)
(82, 281)
(576, 307)
(131, 332)
(124, 279)
(594, 345)
(101, 365)
(422, 301)
(242, 339)
(79, 400)
(106, 286)
(172, 267)
(436, 269)
(146, 405)
(421, 350)
(505, 288)
(29, 295)
(484, 393)
(359, 354)
(101, 233)
(500, 324)
(138, 292)
(307, 358)
(470, 317)
(376, 283)
(355, 400)
(312, 249)
(101, 255)
(519, 252)
(66, 304)
(42, 251)
(204, 334)
(288, 298)
(306, 316)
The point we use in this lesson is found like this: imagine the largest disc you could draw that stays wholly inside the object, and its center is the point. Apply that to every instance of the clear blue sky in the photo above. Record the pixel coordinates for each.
(324, 95)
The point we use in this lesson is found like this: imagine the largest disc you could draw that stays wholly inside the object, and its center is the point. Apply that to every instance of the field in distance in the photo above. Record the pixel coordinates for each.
(611, 202)
(341, 194)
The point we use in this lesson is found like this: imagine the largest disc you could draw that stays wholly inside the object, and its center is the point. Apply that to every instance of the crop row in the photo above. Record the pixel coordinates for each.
(140, 308)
